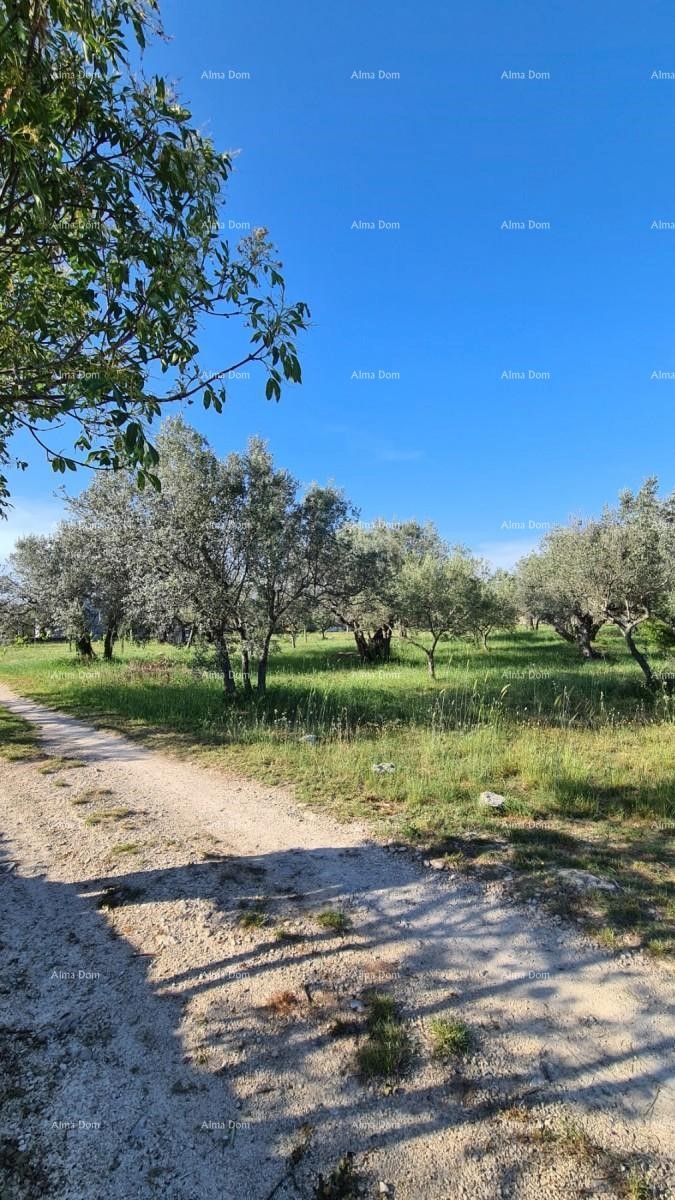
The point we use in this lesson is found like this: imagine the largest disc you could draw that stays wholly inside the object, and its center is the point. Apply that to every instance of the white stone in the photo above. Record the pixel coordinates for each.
(584, 881)
(492, 799)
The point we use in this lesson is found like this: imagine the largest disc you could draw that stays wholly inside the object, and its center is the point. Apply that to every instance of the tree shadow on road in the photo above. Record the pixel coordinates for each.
(157, 1051)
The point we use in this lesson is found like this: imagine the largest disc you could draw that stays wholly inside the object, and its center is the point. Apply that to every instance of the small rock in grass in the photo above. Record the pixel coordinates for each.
(310, 739)
(437, 864)
(492, 799)
(384, 768)
(585, 881)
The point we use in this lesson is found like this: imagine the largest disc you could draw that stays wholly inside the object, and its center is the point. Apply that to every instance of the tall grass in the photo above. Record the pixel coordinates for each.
(581, 748)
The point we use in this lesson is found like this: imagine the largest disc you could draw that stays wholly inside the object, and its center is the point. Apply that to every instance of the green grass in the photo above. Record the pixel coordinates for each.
(334, 920)
(61, 763)
(252, 918)
(386, 1052)
(90, 794)
(103, 815)
(450, 1037)
(342, 1183)
(583, 753)
(17, 738)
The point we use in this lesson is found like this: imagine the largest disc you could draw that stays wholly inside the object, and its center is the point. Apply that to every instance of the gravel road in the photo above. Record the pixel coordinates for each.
(155, 1046)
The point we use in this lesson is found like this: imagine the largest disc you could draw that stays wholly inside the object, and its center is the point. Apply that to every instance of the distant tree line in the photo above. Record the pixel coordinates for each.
(231, 552)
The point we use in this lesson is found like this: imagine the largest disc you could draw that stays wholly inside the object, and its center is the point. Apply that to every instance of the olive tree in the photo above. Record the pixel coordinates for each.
(438, 597)
(618, 568)
(361, 587)
(111, 258)
(497, 605)
(554, 586)
(195, 556)
(634, 569)
(53, 582)
(291, 543)
(232, 542)
(106, 532)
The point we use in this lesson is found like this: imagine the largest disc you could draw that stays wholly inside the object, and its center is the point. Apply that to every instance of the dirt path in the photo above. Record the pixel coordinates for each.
(145, 1062)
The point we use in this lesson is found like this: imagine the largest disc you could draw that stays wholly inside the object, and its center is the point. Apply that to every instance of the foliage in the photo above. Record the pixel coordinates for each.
(110, 255)
(618, 568)
(438, 594)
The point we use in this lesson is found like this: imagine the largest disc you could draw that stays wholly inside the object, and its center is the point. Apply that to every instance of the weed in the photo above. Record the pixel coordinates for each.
(333, 919)
(61, 763)
(90, 794)
(119, 895)
(450, 1037)
(126, 848)
(286, 935)
(386, 1052)
(61, 783)
(637, 1186)
(102, 815)
(342, 1183)
(282, 1004)
(342, 1027)
(575, 1139)
(252, 918)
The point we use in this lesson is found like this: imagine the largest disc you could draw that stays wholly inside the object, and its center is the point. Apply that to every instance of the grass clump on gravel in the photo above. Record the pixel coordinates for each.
(334, 920)
(126, 848)
(61, 763)
(102, 815)
(450, 1037)
(253, 918)
(342, 1184)
(281, 934)
(282, 1004)
(637, 1186)
(386, 1052)
(92, 794)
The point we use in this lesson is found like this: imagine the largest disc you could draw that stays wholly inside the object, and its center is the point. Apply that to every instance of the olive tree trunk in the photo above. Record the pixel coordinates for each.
(628, 631)
(225, 666)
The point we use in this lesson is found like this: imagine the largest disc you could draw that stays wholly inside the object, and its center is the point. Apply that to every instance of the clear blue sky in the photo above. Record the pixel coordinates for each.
(449, 300)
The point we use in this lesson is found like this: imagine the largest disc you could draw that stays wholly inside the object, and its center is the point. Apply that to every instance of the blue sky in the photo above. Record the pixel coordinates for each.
(446, 302)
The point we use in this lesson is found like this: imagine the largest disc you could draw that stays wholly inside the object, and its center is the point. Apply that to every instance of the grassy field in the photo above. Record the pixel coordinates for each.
(584, 755)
